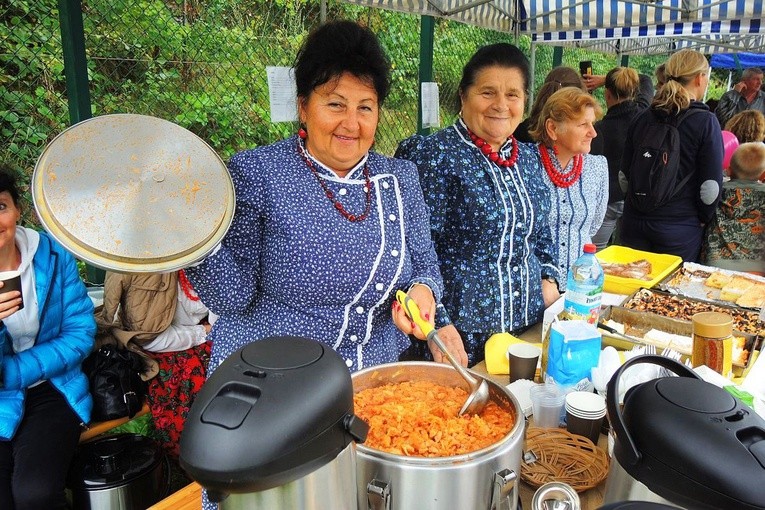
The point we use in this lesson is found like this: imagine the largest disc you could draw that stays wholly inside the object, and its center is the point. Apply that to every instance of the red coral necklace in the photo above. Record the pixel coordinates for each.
(559, 178)
(493, 155)
(328, 192)
(183, 280)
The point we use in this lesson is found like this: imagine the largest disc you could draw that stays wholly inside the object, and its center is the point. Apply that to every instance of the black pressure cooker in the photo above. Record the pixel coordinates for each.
(274, 427)
(684, 442)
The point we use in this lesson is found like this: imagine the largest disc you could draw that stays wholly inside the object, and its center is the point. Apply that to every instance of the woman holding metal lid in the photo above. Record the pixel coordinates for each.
(325, 230)
(488, 207)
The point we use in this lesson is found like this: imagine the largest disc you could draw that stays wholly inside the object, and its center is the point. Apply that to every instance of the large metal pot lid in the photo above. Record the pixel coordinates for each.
(133, 193)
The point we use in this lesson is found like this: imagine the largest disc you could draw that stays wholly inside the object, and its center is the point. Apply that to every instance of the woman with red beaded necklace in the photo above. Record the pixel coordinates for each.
(326, 230)
(578, 181)
(488, 207)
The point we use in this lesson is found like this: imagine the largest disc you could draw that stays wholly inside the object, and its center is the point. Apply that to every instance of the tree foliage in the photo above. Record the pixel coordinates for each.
(201, 64)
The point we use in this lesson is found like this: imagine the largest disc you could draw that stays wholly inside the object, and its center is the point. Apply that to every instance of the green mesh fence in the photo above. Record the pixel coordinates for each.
(201, 64)
(33, 102)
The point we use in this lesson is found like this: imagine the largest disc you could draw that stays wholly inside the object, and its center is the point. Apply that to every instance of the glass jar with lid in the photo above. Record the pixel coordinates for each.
(713, 341)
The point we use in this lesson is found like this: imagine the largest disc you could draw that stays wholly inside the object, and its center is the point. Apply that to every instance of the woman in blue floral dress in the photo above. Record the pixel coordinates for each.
(325, 231)
(488, 206)
(577, 180)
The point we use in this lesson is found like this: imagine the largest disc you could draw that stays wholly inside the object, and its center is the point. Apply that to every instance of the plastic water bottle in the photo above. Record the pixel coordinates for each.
(584, 288)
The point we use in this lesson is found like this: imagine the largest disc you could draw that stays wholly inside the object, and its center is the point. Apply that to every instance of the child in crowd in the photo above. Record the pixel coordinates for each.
(748, 126)
(735, 238)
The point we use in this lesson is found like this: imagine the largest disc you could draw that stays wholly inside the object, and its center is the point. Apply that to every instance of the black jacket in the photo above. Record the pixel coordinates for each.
(701, 155)
(612, 132)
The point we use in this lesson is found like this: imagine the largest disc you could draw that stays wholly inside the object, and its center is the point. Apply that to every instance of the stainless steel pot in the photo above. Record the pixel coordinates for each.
(481, 480)
(118, 472)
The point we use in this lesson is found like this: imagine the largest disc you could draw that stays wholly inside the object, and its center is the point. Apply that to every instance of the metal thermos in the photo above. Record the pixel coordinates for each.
(684, 442)
(274, 427)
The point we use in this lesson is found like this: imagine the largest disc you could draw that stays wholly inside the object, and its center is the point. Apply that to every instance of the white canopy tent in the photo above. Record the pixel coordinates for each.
(627, 27)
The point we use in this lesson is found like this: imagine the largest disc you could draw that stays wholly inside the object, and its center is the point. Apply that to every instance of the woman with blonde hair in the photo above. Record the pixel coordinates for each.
(748, 126)
(621, 89)
(676, 225)
(577, 181)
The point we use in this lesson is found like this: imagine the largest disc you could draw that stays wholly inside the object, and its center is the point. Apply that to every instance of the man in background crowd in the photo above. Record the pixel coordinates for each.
(745, 95)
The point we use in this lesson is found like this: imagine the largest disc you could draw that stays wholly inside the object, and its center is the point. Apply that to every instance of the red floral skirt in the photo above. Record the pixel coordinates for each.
(172, 391)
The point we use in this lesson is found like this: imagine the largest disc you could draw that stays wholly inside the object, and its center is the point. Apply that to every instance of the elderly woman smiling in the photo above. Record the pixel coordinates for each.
(488, 206)
(325, 231)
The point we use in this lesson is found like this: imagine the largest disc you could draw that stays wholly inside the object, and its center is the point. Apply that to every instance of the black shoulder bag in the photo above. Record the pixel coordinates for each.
(115, 382)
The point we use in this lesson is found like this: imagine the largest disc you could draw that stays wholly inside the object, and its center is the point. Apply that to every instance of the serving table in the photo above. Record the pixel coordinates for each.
(590, 499)
(189, 496)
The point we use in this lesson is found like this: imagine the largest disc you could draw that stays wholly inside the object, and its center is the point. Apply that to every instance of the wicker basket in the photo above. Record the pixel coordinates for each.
(563, 457)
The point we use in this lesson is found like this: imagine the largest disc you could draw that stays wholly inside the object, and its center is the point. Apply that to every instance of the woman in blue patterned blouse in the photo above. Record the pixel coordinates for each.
(577, 181)
(325, 231)
(488, 206)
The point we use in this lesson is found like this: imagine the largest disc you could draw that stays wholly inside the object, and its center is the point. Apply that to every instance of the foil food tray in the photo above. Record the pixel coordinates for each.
(746, 322)
(689, 280)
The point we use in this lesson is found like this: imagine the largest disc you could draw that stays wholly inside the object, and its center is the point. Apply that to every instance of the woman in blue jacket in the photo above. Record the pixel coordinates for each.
(44, 395)
(677, 227)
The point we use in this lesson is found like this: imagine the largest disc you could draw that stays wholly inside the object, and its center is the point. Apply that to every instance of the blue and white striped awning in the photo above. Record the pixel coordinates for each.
(704, 36)
(679, 17)
(647, 27)
(707, 44)
(635, 26)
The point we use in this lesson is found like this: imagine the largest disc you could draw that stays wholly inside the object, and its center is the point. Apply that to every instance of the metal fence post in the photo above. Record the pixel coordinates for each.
(427, 24)
(75, 62)
(557, 56)
(76, 72)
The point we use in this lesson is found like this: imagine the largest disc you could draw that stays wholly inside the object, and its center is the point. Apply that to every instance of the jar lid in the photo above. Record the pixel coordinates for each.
(712, 324)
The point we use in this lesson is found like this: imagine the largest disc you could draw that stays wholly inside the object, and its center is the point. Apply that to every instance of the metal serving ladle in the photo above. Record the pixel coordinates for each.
(479, 389)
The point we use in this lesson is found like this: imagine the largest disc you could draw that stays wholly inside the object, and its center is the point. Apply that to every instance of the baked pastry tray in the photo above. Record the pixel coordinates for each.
(647, 309)
(690, 279)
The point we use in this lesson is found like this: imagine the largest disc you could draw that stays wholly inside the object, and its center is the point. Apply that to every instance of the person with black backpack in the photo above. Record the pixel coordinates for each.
(672, 164)
(627, 94)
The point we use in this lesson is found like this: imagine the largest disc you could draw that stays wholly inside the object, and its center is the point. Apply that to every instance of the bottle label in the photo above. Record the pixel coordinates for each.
(583, 306)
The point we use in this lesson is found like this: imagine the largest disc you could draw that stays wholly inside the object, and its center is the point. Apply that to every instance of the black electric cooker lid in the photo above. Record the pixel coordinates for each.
(699, 446)
(271, 413)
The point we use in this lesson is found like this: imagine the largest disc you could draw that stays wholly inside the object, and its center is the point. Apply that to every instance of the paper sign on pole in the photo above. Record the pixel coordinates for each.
(430, 107)
(282, 94)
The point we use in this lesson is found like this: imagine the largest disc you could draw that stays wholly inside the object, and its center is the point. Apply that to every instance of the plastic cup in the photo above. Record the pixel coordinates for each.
(523, 359)
(11, 281)
(585, 412)
(546, 403)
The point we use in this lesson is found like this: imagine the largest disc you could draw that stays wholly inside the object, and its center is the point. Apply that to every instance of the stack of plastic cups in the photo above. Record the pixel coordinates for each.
(585, 412)
(547, 403)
